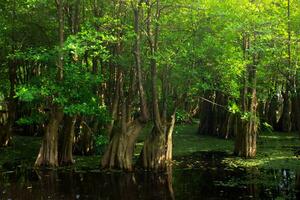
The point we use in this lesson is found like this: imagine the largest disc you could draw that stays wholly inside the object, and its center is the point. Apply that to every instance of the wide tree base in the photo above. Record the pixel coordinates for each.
(245, 144)
(121, 148)
(66, 152)
(48, 154)
(157, 152)
(153, 156)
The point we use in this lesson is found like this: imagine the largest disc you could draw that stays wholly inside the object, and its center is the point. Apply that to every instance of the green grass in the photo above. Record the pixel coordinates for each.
(275, 150)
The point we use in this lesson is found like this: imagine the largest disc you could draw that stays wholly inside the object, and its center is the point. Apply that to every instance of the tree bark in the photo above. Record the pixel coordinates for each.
(48, 154)
(138, 65)
(66, 152)
(206, 116)
(284, 123)
(7, 131)
(245, 143)
(121, 147)
(157, 151)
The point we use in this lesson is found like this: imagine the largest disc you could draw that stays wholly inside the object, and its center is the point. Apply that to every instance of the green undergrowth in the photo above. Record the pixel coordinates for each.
(23, 152)
(275, 150)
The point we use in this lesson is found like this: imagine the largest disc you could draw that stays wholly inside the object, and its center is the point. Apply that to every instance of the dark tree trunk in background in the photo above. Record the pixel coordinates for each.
(294, 113)
(206, 116)
(215, 119)
(296, 108)
(284, 123)
(86, 139)
(6, 131)
(271, 114)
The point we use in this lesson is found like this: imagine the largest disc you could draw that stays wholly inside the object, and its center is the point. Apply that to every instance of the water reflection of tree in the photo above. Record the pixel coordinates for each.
(264, 184)
(157, 185)
(90, 185)
(141, 185)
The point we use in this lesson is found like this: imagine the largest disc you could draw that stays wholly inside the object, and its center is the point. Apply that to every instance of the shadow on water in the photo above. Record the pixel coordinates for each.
(199, 176)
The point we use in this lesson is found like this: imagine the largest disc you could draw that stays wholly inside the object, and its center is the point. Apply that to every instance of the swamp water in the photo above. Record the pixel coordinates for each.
(199, 176)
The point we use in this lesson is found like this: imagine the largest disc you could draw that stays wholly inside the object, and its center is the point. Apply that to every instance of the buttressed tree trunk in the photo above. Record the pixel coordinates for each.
(66, 152)
(48, 154)
(245, 143)
(157, 151)
(121, 147)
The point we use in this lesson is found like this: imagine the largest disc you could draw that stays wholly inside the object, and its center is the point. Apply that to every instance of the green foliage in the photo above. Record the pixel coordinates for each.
(234, 108)
(34, 118)
(267, 127)
(27, 94)
(182, 116)
(101, 142)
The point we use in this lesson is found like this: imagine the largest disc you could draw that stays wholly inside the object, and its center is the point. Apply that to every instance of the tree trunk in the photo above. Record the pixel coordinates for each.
(157, 151)
(114, 106)
(66, 152)
(284, 123)
(121, 148)
(206, 115)
(5, 135)
(138, 65)
(245, 143)
(296, 105)
(86, 139)
(272, 112)
(48, 154)
(7, 131)
(285, 120)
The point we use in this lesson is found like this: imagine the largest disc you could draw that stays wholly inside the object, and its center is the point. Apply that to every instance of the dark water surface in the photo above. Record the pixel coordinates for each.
(204, 180)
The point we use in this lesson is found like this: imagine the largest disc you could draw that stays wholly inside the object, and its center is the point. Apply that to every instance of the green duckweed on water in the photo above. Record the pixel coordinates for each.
(274, 151)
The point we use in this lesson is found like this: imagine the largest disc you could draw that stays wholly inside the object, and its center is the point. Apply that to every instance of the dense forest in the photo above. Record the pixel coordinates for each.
(116, 78)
